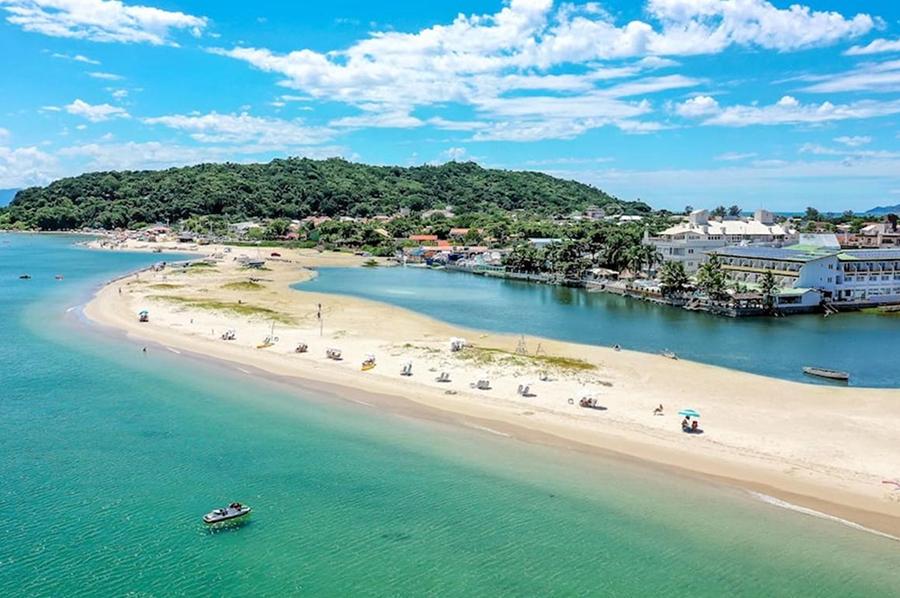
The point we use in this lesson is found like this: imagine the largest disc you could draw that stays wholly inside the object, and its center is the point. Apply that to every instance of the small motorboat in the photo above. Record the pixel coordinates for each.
(25, 277)
(669, 354)
(233, 511)
(369, 363)
(826, 373)
(58, 277)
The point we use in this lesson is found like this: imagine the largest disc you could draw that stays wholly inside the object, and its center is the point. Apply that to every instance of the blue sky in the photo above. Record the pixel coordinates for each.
(675, 102)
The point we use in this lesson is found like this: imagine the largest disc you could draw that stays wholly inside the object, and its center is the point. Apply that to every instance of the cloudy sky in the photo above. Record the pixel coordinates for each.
(701, 102)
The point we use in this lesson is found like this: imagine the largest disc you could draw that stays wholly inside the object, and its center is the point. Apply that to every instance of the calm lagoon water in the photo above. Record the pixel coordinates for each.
(865, 345)
(108, 457)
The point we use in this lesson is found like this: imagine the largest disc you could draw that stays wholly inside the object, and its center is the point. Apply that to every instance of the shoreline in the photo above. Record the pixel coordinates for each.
(841, 492)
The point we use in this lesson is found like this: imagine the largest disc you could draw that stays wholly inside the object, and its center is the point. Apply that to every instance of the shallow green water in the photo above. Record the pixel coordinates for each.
(108, 457)
(864, 345)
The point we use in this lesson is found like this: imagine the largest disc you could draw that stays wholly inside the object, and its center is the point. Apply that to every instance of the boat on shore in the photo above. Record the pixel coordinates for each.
(233, 511)
(827, 373)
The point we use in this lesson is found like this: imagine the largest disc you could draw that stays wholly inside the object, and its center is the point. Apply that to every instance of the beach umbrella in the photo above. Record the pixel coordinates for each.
(689, 413)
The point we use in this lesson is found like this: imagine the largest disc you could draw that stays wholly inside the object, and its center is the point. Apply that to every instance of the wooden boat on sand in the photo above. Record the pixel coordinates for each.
(827, 373)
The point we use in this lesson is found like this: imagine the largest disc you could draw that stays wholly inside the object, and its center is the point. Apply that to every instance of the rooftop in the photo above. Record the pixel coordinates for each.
(850, 255)
(794, 253)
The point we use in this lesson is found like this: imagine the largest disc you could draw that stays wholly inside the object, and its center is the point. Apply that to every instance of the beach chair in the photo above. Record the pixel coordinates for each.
(301, 348)
(483, 384)
(407, 369)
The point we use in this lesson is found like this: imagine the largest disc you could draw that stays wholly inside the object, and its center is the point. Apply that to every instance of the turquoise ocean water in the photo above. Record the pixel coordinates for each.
(108, 458)
(866, 345)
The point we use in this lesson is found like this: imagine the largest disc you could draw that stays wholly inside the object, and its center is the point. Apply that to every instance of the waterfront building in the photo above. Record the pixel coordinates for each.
(688, 242)
(873, 235)
(810, 274)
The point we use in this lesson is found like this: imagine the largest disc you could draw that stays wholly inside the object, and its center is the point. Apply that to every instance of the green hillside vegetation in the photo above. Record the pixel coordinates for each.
(293, 188)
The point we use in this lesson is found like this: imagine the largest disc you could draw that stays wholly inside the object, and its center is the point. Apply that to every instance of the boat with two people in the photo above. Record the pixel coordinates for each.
(368, 363)
(230, 513)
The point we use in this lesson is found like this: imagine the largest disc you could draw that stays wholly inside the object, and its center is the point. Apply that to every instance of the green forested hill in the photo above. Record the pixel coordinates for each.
(292, 188)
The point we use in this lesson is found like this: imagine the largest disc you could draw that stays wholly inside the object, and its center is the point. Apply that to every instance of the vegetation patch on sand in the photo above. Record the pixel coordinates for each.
(242, 309)
(488, 355)
(245, 285)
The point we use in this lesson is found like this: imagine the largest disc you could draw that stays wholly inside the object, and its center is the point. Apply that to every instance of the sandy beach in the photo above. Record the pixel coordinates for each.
(825, 448)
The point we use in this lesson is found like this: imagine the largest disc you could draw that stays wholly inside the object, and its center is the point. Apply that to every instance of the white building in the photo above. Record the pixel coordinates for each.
(688, 242)
(855, 276)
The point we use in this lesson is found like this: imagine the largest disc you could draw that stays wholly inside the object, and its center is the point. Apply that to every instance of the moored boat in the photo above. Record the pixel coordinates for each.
(826, 373)
(233, 511)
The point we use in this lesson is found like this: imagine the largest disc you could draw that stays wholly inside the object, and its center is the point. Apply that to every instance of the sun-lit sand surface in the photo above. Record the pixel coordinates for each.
(828, 448)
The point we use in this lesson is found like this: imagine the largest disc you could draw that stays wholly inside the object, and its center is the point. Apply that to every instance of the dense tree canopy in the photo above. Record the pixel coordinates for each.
(295, 188)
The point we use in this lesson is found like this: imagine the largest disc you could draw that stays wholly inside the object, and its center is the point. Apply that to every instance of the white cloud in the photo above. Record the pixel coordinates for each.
(96, 112)
(787, 111)
(735, 156)
(847, 152)
(875, 47)
(105, 76)
(698, 106)
(76, 57)
(396, 120)
(154, 154)
(100, 20)
(829, 184)
(244, 128)
(119, 94)
(481, 61)
(881, 77)
(854, 141)
(25, 166)
(456, 154)
(4, 134)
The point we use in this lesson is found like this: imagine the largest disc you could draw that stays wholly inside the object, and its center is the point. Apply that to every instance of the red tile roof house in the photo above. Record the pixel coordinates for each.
(423, 238)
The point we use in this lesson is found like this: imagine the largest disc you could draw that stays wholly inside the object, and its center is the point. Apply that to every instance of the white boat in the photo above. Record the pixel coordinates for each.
(233, 511)
(826, 373)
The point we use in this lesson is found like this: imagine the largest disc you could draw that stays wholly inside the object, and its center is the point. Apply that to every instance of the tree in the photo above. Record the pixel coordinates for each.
(734, 211)
(768, 286)
(719, 212)
(711, 278)
(812, 214)
(641, 255)
(524, 258)
(673, 279)
(277, 228)
(688, 209)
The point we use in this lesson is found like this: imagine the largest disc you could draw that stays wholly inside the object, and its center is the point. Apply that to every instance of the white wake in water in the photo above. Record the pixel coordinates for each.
(777, 502)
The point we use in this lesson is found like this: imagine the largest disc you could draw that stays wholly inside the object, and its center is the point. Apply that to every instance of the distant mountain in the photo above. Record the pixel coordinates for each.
(294, 188)
(6, 196)
(882, 210)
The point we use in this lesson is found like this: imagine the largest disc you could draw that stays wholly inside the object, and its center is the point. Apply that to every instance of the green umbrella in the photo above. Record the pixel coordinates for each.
(689, 413)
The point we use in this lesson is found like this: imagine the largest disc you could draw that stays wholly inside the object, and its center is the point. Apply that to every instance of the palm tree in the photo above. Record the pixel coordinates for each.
(673, 278)
(711, 278)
